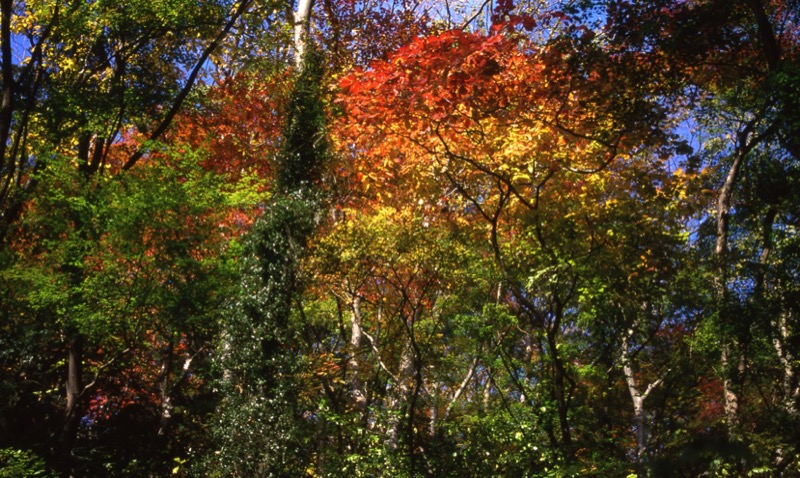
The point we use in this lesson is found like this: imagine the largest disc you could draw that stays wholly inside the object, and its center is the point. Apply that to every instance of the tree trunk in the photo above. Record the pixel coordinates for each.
(302, 19)
(733, 363)
(637, 397)
(461, 388)
(166, 399)
(74, 389)
(399, 395)
(791, 384)
(170, 387)
(559, 390)
(357, 391)
(7, 95)
(732, 359)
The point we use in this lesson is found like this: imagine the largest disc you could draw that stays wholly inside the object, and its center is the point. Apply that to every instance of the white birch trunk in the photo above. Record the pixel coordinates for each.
(302, 21)
(637, 397)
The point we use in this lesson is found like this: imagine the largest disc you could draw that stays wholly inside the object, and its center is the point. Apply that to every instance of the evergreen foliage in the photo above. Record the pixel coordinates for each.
(261, 421)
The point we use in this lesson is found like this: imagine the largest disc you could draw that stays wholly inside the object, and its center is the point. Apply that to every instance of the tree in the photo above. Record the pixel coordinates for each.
(154, 268)
(388, 238)
(738, 59)
(260, 429)
(84, 69)
(523, 140)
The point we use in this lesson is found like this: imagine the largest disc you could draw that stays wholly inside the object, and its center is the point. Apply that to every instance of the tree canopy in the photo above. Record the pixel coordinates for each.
(400, 238)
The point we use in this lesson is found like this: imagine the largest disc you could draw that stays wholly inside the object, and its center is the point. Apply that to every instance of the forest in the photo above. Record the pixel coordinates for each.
(399, 238)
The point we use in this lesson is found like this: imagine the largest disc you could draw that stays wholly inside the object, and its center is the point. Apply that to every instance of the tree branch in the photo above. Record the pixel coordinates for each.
(190, 81)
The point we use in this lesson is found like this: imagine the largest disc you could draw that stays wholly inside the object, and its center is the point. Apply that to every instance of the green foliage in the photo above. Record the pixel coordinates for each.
(261, 422)
(304, 155)
(257, 420)
(23, 464)
(137, 267)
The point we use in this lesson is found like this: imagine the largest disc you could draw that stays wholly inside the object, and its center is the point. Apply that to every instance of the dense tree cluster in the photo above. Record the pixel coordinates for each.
(400, 238)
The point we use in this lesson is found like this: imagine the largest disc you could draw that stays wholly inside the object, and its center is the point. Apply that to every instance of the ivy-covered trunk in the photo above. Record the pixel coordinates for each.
(261, 426)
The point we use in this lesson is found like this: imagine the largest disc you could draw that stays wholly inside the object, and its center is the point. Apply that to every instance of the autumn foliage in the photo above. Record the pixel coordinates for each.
(453, 239)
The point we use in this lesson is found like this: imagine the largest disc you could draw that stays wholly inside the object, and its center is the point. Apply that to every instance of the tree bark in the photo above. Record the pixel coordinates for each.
(166, 399)
(461, 388)
(302, 21)
(7, 102)
(733, 358)
(399, 395)
(169, 387)
(74, 390)
(791, 384)
(357, 391)
(637, 397)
